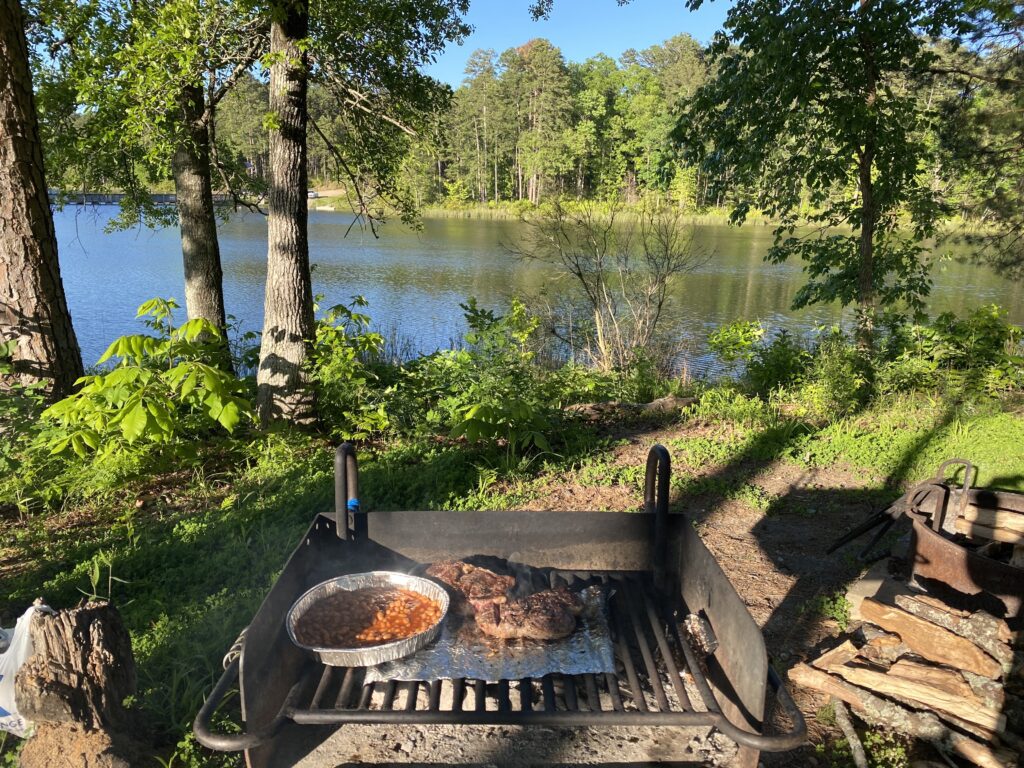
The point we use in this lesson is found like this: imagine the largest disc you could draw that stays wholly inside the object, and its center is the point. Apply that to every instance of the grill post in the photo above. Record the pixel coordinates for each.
(656, 483)
(346, 488)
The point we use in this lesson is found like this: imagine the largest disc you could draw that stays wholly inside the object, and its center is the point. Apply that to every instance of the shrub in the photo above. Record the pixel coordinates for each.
(352, 401)
(981, 352)
(835, 382)
(163, 390)
(489, 389)
(780, 363)
(736, 342)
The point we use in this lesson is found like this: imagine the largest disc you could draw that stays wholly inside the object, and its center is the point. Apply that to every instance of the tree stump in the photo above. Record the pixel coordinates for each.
(73, 689)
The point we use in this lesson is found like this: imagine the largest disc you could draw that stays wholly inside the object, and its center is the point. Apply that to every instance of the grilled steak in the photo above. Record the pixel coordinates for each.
(472, 585)
(547, 615)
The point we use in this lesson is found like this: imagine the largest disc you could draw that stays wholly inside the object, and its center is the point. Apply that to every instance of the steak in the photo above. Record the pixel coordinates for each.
(546, 615)
(471, 584)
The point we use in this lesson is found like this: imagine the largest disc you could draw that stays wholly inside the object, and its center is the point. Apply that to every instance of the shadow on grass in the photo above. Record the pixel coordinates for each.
(794, 532)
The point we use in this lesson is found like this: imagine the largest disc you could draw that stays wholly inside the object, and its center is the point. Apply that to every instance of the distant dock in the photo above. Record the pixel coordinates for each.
(115, 198)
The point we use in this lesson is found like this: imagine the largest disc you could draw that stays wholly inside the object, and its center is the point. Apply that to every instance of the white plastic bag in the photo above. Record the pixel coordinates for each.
(17, 653)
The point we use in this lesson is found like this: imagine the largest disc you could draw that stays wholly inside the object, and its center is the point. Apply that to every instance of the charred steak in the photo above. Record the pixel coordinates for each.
(547, 615)
(472, 585)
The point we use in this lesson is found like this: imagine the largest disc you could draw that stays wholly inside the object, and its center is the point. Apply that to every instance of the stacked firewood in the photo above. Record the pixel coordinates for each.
(920, 667)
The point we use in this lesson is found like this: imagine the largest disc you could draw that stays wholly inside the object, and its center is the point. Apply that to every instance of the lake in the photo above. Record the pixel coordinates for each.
(415, 281)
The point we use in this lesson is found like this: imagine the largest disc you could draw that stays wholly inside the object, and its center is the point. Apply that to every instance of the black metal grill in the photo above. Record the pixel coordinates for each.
(652, 658)
(660, 679)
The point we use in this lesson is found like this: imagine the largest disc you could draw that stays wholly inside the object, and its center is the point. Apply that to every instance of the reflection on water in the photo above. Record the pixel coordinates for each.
(415, 280)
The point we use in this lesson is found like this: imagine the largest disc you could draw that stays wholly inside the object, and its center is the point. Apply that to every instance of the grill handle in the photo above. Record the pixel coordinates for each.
(656, 483)
(346, 489)
(236, 742)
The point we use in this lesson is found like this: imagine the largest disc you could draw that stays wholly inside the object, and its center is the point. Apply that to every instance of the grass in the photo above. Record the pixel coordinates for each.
(242, 513)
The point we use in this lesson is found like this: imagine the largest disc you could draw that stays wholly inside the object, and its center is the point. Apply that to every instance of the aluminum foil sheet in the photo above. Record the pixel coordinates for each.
(462, 650)
(375, 654)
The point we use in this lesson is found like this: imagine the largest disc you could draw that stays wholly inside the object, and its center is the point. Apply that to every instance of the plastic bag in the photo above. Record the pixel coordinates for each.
(17, 653)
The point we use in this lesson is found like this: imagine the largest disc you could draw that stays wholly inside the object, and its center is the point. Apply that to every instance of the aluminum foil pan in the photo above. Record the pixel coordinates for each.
(374, 654)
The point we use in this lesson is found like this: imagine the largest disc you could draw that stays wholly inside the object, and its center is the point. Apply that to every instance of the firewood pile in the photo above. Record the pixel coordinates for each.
(920, 667)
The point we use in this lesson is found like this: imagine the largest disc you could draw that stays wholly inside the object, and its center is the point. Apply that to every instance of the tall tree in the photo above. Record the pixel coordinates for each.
(145, 81)
(283, 390)
(983, 130)
(816, 95)
(368, 55)
(34, 310)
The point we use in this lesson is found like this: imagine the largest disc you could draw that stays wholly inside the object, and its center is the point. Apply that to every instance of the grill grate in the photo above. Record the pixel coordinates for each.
(655, 666)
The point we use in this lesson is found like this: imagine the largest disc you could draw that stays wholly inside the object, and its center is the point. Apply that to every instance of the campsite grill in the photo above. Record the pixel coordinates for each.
(658, 573)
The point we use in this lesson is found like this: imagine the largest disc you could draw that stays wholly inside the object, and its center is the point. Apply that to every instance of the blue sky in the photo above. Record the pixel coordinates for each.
(580, 28)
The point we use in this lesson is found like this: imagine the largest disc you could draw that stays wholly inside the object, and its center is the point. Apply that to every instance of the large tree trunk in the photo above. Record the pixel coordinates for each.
(204, 279)
(33, 309)
(283, 387)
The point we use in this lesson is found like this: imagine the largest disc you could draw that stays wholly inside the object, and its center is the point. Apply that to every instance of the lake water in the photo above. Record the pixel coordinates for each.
(415, 281)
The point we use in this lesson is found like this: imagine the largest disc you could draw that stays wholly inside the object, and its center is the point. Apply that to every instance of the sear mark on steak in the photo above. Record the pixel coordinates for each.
(546, 615)
(471, 584)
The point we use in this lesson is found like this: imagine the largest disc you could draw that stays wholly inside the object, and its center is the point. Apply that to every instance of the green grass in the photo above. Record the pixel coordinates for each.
(189, 572)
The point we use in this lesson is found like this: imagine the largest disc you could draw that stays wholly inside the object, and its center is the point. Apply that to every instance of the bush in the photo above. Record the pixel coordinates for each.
(488, 390)
(780, 363)
(979, 353)
(163, 390)
(736, 342)
(835, 382)
(352, 401)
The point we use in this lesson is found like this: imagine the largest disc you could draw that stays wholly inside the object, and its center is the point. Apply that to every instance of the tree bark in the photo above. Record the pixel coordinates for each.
(73, 689)
(283, 387)
(204, 278)
(33, 308)
(869, 211)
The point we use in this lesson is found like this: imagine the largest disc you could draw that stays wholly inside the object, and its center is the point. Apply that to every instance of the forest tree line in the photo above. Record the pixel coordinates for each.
(527, 125)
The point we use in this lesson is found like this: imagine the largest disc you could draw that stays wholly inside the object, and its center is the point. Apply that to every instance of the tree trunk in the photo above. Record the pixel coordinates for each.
(869, 212)
(33, 308)
(204, 279)
(865, 274)
(283, 387)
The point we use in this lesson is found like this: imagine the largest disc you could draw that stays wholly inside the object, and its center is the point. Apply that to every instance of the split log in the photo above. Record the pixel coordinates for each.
(962, 703)
(884, 649)
(979, 531)
(1003, 630)
(930, 640)
(837, 656)
(987, 692)
(881, 712)
(995, 518)
(984, 630)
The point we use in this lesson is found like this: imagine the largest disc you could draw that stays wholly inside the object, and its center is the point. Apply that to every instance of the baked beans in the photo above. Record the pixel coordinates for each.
(363, 617)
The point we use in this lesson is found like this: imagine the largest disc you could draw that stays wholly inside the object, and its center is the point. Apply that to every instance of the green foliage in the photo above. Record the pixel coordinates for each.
(734, 342)
(489, 389)
(819, 111)
(779, 363)
(981, 352)
(834, 383)
(163, 390)
(352, 400)
(834, 606)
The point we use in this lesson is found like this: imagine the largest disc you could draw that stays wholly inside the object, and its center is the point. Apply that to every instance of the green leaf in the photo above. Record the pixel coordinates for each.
(134, 423)
(229, 415)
